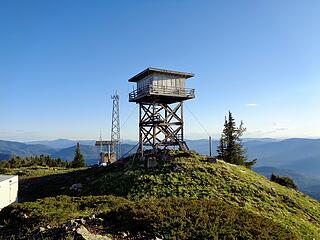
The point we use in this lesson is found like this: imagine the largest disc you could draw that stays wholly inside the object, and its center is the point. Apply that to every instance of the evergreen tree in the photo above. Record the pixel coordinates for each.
(231, 148)
(42, 160)
(78, 160)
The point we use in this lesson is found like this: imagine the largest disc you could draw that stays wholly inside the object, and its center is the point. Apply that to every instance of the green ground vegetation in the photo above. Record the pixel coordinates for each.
(185, 195)
(163, 218)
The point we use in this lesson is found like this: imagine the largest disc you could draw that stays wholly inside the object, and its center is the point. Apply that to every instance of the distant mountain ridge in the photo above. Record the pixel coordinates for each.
(306, 184)
(299, 155)
(62, 143)
(8, 148)
(56, 149)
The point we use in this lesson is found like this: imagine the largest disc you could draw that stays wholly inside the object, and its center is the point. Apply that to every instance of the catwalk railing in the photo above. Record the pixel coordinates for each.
(162, 91)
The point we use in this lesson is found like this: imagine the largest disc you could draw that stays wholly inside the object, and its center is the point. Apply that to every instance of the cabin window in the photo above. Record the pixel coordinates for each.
(160, 83)
(173, 83)
(178, 85)
(144, 83)
(167, 81)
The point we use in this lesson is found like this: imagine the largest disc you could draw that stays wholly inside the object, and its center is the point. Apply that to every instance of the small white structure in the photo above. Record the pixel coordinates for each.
(8, 190)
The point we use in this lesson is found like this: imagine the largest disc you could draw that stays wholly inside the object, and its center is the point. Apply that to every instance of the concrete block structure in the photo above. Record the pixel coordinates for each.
(8, 190)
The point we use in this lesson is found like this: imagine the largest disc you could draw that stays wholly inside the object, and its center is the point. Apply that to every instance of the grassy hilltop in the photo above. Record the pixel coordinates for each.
(185, 196)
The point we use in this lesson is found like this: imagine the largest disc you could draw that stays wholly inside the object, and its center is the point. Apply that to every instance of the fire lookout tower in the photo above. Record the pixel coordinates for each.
(160, 95)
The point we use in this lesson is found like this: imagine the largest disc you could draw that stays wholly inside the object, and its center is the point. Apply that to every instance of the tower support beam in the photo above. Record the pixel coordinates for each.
(160, 94)
(161, 126)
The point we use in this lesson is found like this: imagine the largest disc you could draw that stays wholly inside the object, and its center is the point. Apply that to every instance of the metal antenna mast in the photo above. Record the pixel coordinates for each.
(115, 128)
(100, 142)
(113, 152)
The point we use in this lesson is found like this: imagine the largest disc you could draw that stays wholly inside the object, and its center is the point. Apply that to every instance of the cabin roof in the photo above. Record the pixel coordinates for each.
(151, 70)
(6, 177)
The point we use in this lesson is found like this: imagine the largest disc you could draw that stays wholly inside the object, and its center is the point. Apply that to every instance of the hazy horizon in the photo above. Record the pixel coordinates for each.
(136, 140)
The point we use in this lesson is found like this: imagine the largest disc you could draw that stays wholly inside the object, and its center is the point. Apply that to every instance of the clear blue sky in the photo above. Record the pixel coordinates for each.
(60, 61)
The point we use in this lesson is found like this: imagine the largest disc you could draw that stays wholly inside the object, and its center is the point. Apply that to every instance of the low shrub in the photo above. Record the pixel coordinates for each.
(176, 218)
(284, 181)
(168, 218)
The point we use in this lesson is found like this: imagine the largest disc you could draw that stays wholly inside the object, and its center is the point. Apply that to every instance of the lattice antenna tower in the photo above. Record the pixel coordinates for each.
(115, 128)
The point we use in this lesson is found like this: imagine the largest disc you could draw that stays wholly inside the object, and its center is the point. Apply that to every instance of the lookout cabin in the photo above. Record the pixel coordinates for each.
(161, 86)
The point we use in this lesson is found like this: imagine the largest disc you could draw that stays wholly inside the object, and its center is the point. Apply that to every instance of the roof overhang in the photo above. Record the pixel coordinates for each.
(151, 70)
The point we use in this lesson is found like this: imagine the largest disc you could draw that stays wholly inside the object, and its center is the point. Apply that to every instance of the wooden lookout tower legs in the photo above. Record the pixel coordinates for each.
(161, 126)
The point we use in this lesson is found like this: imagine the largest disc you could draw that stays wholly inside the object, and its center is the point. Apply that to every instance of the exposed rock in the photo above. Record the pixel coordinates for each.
(76, 187)
(212, 159)
(152, 162)
(273, 191)
(72, 223)
(86, 235)
(177, 169)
